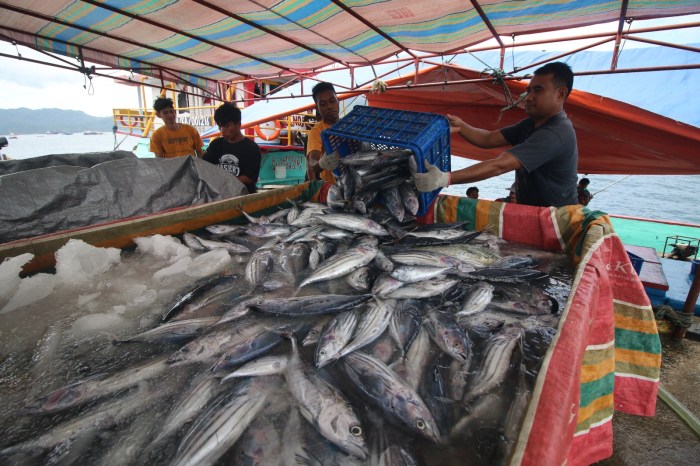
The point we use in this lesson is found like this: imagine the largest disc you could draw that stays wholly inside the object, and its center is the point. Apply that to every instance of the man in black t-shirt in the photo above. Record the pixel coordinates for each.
(544, 153)
(234, 152)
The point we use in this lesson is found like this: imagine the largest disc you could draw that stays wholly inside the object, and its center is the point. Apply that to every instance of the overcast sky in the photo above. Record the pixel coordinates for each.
(24, 84)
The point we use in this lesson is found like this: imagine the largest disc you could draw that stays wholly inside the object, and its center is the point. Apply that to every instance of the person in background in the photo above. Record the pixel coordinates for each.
(473, 192)
(544, 153)
(318, 164)
(584, 197)
(174, 139)
(582, 187)
(511, 198)
(234, 152)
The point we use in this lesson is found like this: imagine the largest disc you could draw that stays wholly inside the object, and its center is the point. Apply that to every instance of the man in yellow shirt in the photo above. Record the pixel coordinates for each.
(318, 165)
(174, 139)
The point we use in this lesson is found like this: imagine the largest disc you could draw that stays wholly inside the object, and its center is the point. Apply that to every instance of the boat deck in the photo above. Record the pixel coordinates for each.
(666, 281)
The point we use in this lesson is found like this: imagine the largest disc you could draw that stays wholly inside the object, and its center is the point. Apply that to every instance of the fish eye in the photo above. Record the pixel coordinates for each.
(356, 431)
(322, 352)
(420, 424)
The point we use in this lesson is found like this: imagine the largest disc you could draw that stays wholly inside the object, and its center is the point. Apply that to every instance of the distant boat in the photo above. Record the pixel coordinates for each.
(12, 136)
(90, 133)
(66, 132)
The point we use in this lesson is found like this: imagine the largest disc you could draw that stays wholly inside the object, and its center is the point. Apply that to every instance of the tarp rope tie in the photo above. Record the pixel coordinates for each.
(679, 319)
(499, 76)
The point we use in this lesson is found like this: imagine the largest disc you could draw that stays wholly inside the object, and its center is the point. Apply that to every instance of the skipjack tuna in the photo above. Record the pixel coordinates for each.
(332, 337)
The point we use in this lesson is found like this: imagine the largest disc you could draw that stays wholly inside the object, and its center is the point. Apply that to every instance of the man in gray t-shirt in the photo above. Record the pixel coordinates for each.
(544, 152)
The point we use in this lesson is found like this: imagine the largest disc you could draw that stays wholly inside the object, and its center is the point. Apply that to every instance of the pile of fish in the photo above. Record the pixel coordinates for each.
(337, 338)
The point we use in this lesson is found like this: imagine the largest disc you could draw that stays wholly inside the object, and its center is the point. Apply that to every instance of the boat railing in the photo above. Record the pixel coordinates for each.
(291, 130)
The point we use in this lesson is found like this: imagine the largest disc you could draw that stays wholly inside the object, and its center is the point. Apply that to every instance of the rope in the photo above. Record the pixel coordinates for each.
(611, 184)
(679, 319)
(499, 76)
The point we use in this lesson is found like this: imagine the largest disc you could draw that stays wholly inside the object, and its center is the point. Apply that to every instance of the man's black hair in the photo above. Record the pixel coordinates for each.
(321, 87)
(161, 103)
(226, 113)
(585, 181)
(563, 76)
(472, 189)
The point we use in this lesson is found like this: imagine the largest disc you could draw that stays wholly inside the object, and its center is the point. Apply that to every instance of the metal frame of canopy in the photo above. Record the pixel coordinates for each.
(400, 55)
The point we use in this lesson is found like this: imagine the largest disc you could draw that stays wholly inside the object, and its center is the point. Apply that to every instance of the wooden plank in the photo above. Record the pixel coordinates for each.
(646, 253)
(120, 233)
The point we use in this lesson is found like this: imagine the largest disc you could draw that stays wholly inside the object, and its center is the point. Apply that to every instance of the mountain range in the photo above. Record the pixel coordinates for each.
(27, 121)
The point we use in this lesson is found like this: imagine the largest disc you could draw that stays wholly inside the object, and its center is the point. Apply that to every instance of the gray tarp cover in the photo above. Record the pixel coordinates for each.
(114, 185)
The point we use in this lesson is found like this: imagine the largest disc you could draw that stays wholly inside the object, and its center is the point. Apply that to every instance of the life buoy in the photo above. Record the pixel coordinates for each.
(132, 121)
(276, 129)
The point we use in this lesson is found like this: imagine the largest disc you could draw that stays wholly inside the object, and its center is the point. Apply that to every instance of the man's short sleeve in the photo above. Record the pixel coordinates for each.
(314, 141)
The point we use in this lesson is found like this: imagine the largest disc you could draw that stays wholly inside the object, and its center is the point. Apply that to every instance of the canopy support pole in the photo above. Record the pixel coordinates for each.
(689, 306)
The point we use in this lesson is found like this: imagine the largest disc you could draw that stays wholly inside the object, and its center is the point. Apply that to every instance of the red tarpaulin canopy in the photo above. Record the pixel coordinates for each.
(613, 137)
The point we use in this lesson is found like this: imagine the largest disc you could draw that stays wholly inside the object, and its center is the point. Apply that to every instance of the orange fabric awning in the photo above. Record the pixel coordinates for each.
(613, 137)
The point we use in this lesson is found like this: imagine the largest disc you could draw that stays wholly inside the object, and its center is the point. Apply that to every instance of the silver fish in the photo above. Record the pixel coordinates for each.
(385, 284)
(314, 333)
(324, 406)
(97, 387)
(409, 197)
(190, 403)
(382, 262)
(192, 242)
(418, 273)
(392, 201)
(495, 362)
(223, 229)
(258, 267)
(268, 230)
(405, 323)
(102, 417)
(259, 220)
(216, 342)
(210, 245)
(219, 430)
(372, 324)
(175, 330)
(266, 365)
(478, 297)
(359, 279)
(412, 367)
(341, 264)
(354, 223)
(335, 336)
(423, 289)
(248, 348)
(307, 305)
(391, 394)
(431, 259)
(448, 335)
(205, 291)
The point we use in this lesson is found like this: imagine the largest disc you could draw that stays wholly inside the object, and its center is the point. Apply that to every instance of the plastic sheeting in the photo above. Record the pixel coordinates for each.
(86, 160)
(56, 198)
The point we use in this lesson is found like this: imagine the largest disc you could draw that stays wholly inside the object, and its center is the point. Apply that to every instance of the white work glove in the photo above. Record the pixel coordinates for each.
(329, 161)
(432, 179)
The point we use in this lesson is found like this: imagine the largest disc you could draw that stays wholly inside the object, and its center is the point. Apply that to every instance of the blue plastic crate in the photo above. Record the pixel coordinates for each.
(426, 134)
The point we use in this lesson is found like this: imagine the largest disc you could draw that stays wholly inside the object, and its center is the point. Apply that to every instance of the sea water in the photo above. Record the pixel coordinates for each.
(659, 197)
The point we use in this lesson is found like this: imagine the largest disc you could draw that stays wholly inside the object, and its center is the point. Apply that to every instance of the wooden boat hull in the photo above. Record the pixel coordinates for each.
(120, 233)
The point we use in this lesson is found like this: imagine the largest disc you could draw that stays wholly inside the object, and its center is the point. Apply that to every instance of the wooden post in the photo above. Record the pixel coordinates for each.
(689, 306)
